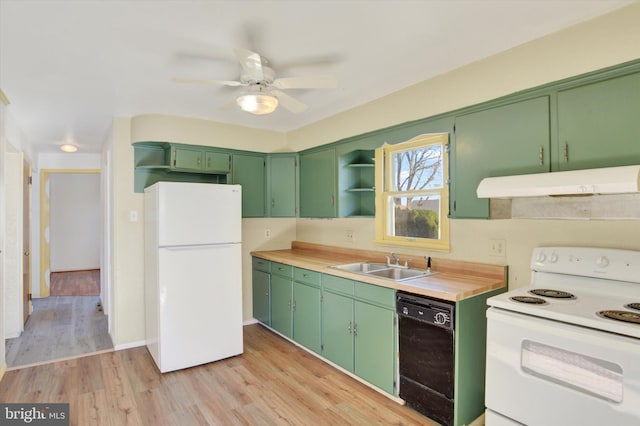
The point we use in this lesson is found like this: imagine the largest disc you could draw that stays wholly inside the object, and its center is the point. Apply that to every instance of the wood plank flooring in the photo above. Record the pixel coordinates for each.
(75, 283)
(272, 383)
(60, 327)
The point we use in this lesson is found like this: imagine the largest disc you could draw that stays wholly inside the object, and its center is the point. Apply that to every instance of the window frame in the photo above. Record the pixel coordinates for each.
(383, 179)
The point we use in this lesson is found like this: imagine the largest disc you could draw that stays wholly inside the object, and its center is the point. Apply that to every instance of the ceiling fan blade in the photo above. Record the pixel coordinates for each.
(219, 82)
(326, 82)
(250, 62)
(289, 102)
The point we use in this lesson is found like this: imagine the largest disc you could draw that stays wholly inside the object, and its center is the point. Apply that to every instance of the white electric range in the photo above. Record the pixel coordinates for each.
(565, 350)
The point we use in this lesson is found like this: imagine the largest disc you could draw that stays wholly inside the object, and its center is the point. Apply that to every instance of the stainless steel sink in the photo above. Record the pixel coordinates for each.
(399, 274)
(381, 270)
(361, 267)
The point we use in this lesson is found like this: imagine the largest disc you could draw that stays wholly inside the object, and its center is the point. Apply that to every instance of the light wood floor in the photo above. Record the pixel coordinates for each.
(60, 327)
(75, 283)
(272, 383)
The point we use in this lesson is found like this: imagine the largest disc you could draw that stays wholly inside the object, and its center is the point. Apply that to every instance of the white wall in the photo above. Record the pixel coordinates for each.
(75, 221)
(606, 41)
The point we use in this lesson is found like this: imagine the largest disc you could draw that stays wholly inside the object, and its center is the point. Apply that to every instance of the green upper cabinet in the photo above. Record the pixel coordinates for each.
(318, 183)
(249, 171)
(283, 185)
(599, 124)
(510, 139)
(193, 158)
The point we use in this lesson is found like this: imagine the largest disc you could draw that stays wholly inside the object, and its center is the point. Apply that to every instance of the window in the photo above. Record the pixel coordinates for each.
(413, 200)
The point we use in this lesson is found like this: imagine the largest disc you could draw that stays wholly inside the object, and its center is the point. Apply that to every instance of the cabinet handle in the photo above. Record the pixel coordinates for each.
(198, 161)
(565, 152)
(333, 200)
(289, 304)
(293, 307)
(273, 202)
(541, 155)
(349, 327)
(355, 329)
(209, 162)
(175, 154)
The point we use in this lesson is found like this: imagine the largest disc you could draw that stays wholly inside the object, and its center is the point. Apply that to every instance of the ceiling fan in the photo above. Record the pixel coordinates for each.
(264, 92)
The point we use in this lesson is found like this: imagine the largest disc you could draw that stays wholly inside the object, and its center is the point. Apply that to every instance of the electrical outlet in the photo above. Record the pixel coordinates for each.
(267, 233)
(349, 236)
(497, 248)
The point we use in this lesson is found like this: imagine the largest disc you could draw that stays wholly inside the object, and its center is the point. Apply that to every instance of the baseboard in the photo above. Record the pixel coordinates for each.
(249, 322)
(130, 345)
(3, 369)
(12, 335)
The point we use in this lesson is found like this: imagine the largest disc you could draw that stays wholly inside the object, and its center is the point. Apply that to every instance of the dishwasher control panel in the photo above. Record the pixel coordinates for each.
(431, 311)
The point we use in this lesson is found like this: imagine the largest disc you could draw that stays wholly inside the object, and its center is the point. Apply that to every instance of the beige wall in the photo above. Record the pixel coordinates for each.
(609, 40)
(166, 128)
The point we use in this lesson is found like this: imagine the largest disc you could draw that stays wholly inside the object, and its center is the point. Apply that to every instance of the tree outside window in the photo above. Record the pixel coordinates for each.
(414, 196)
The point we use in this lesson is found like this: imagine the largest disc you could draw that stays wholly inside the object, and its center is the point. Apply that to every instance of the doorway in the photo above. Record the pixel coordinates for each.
(67, 319)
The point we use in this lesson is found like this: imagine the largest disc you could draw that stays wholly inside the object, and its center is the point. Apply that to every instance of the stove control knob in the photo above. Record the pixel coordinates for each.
(553, 258)
(541, 257)
(602, 261)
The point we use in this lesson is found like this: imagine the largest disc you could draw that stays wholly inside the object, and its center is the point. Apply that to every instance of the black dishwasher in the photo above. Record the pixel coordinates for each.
(426, 342)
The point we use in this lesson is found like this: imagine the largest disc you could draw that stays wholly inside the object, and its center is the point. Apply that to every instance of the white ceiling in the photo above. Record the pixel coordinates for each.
(68, 67)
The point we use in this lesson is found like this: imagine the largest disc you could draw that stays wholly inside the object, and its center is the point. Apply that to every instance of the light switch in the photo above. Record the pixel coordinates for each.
(133, 216)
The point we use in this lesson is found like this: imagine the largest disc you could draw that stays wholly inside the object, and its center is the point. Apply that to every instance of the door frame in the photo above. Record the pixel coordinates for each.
(45, 222)
(26, 239)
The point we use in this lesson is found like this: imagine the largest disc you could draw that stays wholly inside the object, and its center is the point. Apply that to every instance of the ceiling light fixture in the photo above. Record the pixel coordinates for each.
(68, 148)
(257, 103)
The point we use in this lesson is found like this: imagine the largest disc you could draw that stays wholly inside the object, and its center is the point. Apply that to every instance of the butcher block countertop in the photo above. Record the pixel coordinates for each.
(456, 280)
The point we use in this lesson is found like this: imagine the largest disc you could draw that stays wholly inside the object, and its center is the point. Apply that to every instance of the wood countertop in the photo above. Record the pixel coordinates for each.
(456, 280)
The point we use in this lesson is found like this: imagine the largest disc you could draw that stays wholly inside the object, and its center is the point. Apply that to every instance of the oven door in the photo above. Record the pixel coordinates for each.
(543, 372)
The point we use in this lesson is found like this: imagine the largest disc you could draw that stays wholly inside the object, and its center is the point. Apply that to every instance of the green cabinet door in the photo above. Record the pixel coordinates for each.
(375, 345)
(318, 184)
(598, 125)
(507, 140)
(306, 316)
(216, 162)
(249, 171)
(337, 329)
(186, 158)
(282, 186)
(281, 299)
(261, 296)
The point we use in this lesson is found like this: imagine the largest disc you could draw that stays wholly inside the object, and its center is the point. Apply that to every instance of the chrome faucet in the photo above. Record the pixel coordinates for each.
(395, 258)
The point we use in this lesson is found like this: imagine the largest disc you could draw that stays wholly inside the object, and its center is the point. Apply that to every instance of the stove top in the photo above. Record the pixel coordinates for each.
(589, 287)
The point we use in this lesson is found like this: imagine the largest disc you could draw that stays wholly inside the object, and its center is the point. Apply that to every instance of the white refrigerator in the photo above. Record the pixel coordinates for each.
(193, 273)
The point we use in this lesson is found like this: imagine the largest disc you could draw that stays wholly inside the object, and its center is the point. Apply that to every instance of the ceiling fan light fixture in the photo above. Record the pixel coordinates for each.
(257, 103)
(67, 147)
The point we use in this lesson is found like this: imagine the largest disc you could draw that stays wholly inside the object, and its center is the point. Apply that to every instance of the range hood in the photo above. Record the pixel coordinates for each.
(610, 180)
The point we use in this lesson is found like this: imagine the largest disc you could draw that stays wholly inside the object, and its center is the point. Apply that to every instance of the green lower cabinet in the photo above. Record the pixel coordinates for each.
(281, 298)
(261, 296)
(358, 333)
(337, 329)
(306, 316)
(374, 333)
